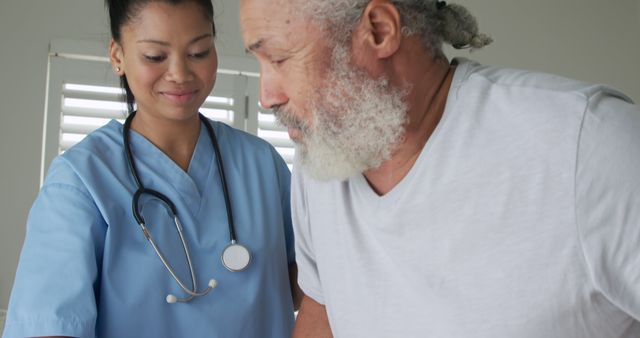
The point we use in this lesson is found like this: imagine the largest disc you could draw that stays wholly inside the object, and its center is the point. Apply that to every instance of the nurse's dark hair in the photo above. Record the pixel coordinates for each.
(121, 12)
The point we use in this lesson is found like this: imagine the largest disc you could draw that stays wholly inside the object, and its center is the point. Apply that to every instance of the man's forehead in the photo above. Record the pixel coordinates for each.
(262, 14)
(268, 26)
(264, 7)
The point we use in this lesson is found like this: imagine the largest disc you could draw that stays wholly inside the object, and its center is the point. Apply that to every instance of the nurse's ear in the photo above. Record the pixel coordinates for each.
(116, 57)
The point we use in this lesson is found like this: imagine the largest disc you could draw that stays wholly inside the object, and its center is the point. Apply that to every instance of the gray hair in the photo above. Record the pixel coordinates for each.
(433, 21)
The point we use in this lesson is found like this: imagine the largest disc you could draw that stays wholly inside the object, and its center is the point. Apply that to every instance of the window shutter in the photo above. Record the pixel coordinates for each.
(86, 108)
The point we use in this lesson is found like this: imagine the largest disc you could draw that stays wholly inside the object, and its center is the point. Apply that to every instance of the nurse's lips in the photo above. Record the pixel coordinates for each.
(180, 96)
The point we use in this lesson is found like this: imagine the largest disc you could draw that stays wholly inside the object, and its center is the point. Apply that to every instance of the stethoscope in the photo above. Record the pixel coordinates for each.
(235, 257)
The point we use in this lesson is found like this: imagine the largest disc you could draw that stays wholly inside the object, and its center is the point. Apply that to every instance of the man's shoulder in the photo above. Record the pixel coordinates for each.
(473, 75)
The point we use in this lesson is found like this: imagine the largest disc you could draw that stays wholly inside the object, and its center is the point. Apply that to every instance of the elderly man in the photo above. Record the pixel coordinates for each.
(447, 199)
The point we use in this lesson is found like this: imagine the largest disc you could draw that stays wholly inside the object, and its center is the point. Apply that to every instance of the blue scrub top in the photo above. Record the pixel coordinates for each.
(86, 269)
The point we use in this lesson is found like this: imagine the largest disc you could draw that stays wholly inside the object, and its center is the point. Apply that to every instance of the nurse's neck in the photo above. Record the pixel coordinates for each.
(175, 138)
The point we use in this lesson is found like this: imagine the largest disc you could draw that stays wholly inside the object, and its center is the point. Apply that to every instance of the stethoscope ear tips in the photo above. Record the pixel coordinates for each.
(171, 299)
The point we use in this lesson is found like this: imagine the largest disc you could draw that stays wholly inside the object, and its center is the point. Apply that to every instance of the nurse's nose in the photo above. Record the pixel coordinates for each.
(179, 71)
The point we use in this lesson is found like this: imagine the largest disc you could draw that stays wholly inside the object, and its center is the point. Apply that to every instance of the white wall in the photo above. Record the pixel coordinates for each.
(591, 40)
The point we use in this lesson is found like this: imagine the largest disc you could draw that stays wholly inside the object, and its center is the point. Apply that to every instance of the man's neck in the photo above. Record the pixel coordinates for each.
(427, 100)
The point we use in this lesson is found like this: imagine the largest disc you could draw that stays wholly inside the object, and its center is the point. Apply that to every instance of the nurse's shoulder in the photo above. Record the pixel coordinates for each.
(99, 150)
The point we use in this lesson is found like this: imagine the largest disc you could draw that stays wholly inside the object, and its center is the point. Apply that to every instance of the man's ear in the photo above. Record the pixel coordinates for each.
(380, 28)
(116, 57)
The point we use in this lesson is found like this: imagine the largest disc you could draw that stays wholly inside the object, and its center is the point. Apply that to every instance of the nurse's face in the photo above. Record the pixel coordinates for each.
(168, 55)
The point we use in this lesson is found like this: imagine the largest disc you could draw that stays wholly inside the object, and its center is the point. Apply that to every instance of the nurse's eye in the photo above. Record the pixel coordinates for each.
(201, 55)
(155, 58)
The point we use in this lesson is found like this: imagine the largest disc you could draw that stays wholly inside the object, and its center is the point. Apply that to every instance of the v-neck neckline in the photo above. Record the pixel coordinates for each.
(189, 184)
(360, 182)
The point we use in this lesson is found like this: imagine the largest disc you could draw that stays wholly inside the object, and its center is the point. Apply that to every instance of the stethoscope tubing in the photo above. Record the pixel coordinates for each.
(142, 190)
(223, 178)
(168, 203)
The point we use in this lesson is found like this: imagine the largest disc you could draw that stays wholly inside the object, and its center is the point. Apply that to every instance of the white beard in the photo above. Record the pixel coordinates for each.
(357, 122)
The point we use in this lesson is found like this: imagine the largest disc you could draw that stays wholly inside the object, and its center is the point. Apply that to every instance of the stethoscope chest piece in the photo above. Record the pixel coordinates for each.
(235, 257)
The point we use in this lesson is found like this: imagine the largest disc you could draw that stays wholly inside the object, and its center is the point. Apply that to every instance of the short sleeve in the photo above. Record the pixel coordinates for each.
(53, 292)
(308, 277)
(608, 198)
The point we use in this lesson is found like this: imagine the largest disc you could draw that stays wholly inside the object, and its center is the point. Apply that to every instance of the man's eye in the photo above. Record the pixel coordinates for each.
(279, 62)
(155, 58)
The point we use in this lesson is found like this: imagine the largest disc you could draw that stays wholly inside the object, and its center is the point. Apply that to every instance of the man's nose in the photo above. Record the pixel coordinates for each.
(272, 93)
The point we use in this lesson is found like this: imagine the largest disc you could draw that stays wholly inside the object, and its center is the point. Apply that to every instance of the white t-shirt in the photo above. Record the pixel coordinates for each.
(519, 219)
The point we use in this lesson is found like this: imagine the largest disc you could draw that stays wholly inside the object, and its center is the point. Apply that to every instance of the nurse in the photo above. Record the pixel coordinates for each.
(86, 268)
